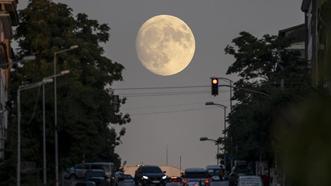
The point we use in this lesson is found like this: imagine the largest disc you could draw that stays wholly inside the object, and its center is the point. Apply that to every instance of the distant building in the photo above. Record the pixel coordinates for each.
(297, 38)
(318, 41)
(8, 18)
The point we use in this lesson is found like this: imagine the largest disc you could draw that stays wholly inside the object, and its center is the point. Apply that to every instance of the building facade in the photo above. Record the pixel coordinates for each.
(297, 37)
(318, 41)
(8, 18)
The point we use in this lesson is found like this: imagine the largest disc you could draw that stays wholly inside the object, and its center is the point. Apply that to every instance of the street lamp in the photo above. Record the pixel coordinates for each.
(42, 83)
(46, 79)
(224, 121)
(23, 60)
(216, 143)
(221, 106)
(55, 112)
(22, 88)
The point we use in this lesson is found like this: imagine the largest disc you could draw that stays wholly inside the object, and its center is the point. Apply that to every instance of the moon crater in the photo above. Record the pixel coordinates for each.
(165, 45)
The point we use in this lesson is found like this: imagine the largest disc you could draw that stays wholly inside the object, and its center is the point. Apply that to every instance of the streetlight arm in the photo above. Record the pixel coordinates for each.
(223, 78)
(215, 104)
(23, 60)
(66, 50)
(247, 90)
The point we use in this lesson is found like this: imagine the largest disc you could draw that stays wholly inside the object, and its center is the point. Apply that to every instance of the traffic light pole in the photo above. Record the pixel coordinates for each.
(215, 82)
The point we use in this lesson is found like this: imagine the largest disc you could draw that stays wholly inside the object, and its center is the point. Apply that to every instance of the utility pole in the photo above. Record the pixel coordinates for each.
(55, 111)
(180, 163)
(44, 139)
(167, 155)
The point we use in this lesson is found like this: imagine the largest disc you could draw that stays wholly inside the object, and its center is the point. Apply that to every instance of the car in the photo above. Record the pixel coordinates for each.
(78, 171)
(196, 177)
(117, 176)
(150, 175)
(108, 167)
(216, 172)
(98, 176)
(125, 180)
(249, 181)
(85, 183)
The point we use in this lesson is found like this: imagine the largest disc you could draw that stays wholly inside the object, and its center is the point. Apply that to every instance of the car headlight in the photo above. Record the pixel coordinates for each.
(164, 177)
(145, 177)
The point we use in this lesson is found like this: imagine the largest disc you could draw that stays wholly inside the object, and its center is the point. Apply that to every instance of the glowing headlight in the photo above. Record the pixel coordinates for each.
(164, 177)
(145, 177)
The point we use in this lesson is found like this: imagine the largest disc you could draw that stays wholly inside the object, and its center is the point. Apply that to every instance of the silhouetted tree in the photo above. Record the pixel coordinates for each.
(87, 109)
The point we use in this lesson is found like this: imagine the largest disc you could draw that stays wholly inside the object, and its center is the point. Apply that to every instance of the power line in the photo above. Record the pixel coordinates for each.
(159, 88)
(168, 112)
(165, 106)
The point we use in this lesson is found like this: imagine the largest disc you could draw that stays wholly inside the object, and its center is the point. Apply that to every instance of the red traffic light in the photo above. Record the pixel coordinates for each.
(214, 86)
(214, 81)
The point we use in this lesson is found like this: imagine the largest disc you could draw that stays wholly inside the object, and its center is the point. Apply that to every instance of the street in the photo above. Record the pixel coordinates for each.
(165, 93)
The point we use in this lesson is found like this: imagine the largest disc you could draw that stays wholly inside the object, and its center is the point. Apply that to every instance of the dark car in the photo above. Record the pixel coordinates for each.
(150, 175)
(125, 180)
(196, 176)
(85, 183)
(98, 176)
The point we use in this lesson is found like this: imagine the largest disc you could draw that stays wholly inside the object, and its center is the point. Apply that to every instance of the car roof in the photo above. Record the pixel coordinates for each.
(96, 170)
(195, 170)
(150, 166)
(213, 167)
(99, 163)
(249, 177)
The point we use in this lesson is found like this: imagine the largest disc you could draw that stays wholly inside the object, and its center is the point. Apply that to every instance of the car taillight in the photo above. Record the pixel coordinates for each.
(207, 182)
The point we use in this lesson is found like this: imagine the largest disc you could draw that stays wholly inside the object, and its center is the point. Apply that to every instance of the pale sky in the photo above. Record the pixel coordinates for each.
(178, 121)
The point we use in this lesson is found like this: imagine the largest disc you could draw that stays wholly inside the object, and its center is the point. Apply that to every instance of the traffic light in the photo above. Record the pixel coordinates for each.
(214, 86)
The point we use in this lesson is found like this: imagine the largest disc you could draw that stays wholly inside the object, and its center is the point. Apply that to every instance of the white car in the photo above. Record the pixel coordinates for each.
(250, 181)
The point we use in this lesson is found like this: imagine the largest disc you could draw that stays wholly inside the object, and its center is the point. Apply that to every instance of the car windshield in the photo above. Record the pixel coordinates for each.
(196, 175)
(151, 169)
(214, 172)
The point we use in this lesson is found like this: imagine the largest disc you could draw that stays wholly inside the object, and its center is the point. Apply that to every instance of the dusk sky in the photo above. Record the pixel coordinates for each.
(178, 118)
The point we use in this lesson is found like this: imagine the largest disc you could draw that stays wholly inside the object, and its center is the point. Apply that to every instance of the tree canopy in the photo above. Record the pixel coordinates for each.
(267, 66)
(87, 108)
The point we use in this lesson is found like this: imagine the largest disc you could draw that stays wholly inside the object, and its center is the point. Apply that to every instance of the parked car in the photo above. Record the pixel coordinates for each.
(108, 167)
(117, 176)
(250, 181)
(148, 175)
(125, 180)
(98, 176)
(196, 176)
(78, 171)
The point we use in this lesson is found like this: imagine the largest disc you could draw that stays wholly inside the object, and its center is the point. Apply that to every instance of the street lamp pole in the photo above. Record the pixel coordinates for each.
(21, 88)
(216, 143)
(44, 139)
(224, 121)
(18, 169)
(55, 112)
(44, 123)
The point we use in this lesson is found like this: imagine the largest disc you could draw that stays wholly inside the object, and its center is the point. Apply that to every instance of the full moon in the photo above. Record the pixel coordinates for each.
(165, 45)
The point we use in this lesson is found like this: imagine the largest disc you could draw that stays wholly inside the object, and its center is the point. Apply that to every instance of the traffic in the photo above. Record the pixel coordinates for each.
(104, 174)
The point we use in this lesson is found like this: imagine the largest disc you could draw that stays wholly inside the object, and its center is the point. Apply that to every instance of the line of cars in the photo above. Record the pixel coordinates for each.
(102, 174)
(212, 175)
